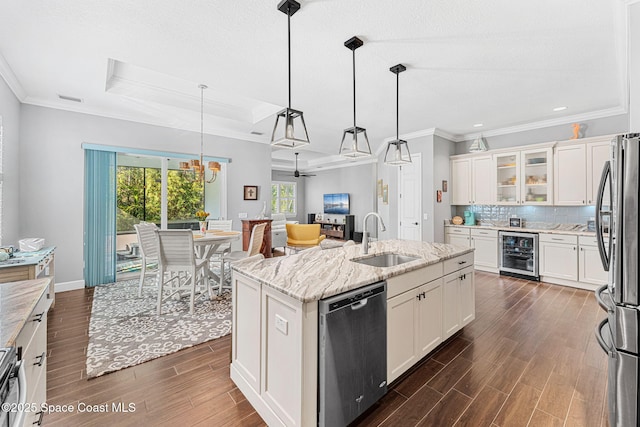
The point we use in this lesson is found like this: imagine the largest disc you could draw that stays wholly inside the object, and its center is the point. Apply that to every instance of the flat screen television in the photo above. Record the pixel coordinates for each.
(337, 204)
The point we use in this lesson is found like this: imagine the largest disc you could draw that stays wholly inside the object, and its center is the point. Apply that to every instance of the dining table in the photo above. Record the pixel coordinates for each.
(206, 247)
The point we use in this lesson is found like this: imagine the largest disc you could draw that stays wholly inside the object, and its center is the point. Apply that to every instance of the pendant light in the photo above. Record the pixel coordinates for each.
(197, 165)
(355, 142)
(397, 150)
(479, 145)
(290, 130)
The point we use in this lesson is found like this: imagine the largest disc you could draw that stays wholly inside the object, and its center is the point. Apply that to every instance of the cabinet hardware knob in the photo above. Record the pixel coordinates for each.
(462, 262)
(583, 202)
(419, 297)
(424, 295)
(38, 317)
(574, 248)
(40, 359)
(40, 414)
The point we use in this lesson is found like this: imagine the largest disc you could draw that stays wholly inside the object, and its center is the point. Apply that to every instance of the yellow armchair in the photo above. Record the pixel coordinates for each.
(304, 234)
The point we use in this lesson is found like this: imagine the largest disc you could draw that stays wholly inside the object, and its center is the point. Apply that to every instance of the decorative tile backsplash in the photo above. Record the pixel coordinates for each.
(550, 214)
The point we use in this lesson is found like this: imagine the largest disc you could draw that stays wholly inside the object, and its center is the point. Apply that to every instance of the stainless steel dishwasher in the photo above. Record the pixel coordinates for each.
(352, 371)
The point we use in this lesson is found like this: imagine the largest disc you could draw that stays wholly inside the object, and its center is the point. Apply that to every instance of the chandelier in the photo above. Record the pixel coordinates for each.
(197, 165)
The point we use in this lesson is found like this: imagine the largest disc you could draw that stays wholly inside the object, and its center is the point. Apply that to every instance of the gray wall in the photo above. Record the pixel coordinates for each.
(287, 176)
(442, 149)
(359, 181)
(604, 126)
(52, 173)
(634, 67)
(10, 113)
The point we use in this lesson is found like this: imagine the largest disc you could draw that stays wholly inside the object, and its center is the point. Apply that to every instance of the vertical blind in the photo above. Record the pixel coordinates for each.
(99, 217)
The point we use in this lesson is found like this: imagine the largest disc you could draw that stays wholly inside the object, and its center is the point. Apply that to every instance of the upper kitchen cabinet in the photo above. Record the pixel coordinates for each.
(525, 177)
(578, 168)
(469, 178)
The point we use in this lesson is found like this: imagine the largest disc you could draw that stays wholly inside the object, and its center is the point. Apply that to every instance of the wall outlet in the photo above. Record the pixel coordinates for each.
(242, 215)
(282, 325)
(425, 217)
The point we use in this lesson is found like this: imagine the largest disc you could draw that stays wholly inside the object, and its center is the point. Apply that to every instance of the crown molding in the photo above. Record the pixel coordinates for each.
(12, 81)
(312, 167)
(84, 109)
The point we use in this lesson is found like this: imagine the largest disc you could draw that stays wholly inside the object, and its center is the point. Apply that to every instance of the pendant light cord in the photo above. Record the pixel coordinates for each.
(354, 91)
(289, 48)
(201, 124)
(397, 106)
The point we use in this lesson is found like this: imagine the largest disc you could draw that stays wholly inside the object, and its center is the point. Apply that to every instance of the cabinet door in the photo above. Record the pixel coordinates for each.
(536, 177)
(455, 239)
(483, 191)
(486, 253)
(467, 296)
(246, 329)
(559, 260)
(451, 305)
(570, 175)
(597, 154)
(429, 317)
(461, 182)
(590, 266)
(507, 177)
(401, 333)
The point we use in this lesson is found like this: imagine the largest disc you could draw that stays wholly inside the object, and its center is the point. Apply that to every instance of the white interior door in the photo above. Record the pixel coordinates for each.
(410, 199)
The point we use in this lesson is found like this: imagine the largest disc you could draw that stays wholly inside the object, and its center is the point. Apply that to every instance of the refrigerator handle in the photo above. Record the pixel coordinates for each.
(611, 352)
(604, 257)
(600, 299)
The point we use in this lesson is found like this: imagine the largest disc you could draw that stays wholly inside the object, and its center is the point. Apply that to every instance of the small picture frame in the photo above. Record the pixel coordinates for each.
(515, 222)
(251, 192)
(444, 186)
(385, 194)
(439, 196)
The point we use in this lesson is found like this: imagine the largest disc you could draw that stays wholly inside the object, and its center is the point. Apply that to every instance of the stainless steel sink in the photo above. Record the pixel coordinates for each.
(385, 260)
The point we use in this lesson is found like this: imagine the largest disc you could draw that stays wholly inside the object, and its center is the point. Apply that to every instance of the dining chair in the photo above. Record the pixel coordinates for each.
(255, 244)
(176, 255)
(223, 225)
(148, 243)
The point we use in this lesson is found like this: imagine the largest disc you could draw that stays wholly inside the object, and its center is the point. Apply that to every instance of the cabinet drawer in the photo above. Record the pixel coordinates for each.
(590, 240)
(457, 230)
(37, 317)
(559, 238)
(34, 359)
(458, 263)
(397, 285)
(484, 233)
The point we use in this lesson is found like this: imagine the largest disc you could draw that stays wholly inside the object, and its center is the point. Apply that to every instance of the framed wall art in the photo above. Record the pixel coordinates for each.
(251, 192)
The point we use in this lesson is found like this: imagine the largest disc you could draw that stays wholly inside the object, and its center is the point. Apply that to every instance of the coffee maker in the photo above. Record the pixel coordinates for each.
(469, 218)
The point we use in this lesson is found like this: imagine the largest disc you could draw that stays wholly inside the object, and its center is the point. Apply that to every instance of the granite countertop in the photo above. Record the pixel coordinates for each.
(27, 258)
(574, 229)
(17, 301)
(314, 274)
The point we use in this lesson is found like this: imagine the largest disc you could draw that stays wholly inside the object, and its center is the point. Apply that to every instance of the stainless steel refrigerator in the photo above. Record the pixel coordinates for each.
(617, 234)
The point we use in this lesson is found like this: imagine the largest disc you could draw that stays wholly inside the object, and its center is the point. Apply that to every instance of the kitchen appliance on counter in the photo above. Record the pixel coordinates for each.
(519, 254)
(469, 218)
(352, 361)
(11, 377)
(618, 334)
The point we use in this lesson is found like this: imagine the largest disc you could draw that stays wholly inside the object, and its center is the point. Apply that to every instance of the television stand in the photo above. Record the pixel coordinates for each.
(338, 230)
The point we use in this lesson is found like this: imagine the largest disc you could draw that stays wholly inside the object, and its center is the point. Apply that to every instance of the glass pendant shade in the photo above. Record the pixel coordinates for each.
(290, 130)
(355, 143)
(478, 145)
(397, 153)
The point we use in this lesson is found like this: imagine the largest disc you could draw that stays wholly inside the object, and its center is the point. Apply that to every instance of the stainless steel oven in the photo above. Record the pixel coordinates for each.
(519, 254)
(12, 396)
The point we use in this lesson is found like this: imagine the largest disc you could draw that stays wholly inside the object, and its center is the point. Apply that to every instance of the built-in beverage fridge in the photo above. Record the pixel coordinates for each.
(519, 254)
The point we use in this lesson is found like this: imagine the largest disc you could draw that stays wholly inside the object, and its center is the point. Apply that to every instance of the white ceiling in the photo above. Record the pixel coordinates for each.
(497, 62)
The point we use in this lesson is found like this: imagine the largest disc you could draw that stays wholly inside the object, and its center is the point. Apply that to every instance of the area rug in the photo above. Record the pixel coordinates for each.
(125, 330)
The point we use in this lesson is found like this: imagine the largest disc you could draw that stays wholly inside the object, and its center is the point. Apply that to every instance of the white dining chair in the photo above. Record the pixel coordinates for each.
(222, 225)
(148, 243)
(255, 244)
(176, 255)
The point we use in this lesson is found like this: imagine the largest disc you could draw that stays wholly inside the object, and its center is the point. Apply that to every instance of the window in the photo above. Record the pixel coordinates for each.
(283, 197)
(1, 161)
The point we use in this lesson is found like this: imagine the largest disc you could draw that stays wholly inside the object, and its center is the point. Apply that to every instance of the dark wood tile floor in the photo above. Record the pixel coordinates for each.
(529, 358)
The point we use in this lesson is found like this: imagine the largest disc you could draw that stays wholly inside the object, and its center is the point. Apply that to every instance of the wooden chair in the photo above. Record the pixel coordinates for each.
(176, 255)
(148, 241)
(255, 243)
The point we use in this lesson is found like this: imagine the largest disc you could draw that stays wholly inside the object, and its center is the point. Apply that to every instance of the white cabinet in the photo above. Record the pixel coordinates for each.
(414, 326)
(458, 296)
(457, 236)
(525, 177)
(507, 178)
(590, 266)
(558, 256)
(486, 244)
(570, 171)
(469, 183)
(597, 154)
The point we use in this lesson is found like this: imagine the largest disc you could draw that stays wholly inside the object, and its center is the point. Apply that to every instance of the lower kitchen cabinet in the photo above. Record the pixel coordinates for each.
(558, 256)
(590, 266)
(458, 301)
(486, 244)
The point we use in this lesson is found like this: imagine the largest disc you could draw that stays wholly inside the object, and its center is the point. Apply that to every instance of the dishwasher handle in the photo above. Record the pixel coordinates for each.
(360, 304)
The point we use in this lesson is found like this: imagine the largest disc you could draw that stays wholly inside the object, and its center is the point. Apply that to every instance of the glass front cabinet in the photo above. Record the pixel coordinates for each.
(524, 177)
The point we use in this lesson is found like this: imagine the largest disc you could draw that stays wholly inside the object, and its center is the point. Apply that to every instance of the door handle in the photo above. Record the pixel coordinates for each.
(604, 257)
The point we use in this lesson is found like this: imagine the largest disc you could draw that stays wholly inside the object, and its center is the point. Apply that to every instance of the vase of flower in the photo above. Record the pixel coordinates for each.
(202, 218)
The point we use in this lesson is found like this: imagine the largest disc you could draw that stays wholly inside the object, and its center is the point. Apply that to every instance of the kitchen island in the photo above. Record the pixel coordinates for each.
(275, 316)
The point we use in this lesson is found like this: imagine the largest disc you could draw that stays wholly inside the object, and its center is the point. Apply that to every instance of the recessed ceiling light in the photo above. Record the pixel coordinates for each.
(559, 108)
(478, 125)
(69, 98)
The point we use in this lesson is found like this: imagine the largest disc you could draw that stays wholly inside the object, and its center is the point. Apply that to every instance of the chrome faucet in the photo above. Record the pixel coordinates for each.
(365, 233)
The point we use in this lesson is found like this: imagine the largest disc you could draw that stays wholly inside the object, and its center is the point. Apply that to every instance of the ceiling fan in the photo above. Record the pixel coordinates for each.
(297, 173)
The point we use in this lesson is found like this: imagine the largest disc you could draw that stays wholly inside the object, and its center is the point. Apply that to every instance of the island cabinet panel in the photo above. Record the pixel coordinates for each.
(429, 317)
(467, 297)
(401, 334)
(458, 296)
(246, 329)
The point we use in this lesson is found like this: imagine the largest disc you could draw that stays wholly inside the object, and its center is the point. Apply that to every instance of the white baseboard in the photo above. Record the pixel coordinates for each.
(261, 407)
(570, 283)
(69, 286)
